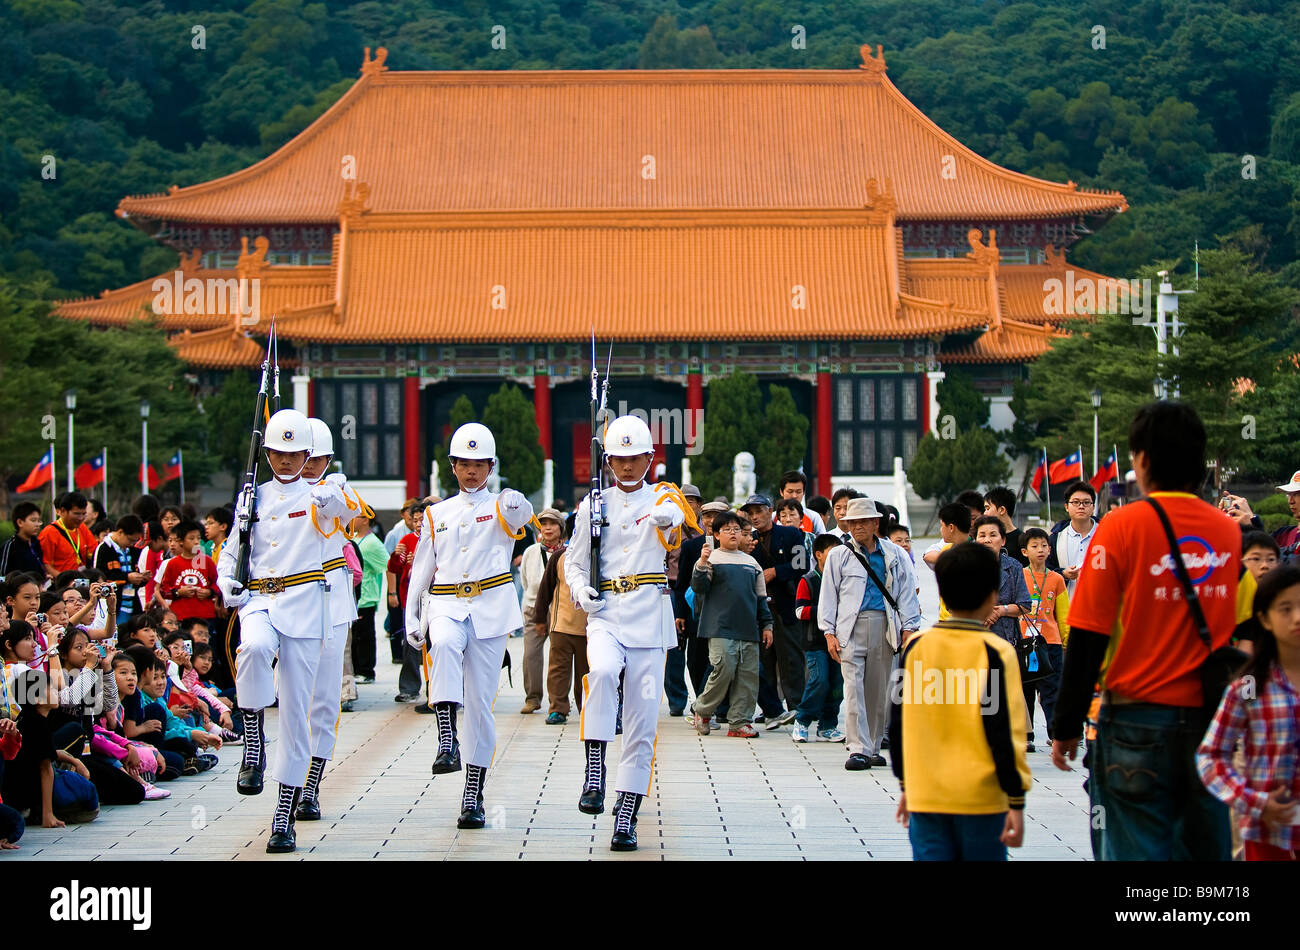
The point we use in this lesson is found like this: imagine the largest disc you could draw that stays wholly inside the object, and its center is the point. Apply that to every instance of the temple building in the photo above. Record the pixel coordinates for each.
(435, 233)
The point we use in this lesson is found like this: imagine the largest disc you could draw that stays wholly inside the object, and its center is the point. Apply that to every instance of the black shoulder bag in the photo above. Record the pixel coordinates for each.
(1222, 665)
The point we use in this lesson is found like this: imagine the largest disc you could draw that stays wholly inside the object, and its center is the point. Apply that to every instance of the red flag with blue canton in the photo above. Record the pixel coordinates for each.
(1107, 473)
(89, 474)
(41, 474)
(154, 480)
(1069, 467)
(1039, 472)
(173, 469)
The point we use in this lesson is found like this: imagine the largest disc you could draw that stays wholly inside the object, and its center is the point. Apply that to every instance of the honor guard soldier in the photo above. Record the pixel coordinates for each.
(629, 620)
(284, 615)
(342, 606)
(463, 603)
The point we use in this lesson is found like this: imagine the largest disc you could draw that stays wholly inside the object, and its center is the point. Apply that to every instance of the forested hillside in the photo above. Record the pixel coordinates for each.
(1192, 109)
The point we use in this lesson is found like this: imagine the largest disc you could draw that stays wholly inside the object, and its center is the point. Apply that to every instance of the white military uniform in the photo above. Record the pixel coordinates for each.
(342, 606)
(293, 624)
(634, 630)
(468, 537)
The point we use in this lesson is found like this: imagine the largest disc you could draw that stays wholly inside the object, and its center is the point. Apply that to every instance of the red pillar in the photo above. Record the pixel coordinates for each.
(694, 406)
(311, 397)
(924, 383)
(411, 435)
(542, 410)
(824, 448)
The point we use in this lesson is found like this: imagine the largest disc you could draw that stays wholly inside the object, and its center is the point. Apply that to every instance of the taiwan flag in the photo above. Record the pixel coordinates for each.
(154, 480)
(1067, 468)
(41, 474)
(1107, 473)
(1039, 472)
(174, 468)
(89, 474)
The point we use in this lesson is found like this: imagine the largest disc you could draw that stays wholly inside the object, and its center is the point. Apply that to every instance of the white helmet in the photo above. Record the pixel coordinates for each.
(473, 440)
(628, 435)
(322, 440)
(288, 431)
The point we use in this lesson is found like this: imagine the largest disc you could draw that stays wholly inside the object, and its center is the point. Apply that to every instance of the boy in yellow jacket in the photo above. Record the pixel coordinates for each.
(957, 729)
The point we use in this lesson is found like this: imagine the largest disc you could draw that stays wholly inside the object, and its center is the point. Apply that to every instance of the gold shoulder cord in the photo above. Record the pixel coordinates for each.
(667, 491)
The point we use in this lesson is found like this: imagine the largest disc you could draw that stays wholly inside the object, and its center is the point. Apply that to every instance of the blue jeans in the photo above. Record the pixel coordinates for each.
(1153, 806)
(823, 689)
(941, 837)
(74, 798)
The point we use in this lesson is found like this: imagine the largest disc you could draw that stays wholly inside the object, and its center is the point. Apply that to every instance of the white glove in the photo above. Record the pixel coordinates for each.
(512, 500)
(662, 519)
(589, 600)
(242, 513)
(227, 586)
(416, 637)
(337, 478)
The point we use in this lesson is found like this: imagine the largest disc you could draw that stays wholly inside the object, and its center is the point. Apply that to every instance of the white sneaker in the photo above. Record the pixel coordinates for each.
(799, 732)
(831, 735)
(776, 722)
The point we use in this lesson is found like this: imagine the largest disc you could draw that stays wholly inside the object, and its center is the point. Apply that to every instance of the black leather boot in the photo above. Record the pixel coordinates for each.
(471, 801)
(625, 810)
(283, 840)
(448, 758)
(253, 763)
(308, 808)
(592, 800)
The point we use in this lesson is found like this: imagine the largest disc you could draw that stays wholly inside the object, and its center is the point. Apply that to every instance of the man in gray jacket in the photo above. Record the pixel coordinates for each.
(865, 624)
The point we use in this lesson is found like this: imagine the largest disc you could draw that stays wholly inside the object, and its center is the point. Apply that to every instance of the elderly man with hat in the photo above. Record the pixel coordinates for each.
(868, 609)
(532, 565)
(781, 553)
(675, 668)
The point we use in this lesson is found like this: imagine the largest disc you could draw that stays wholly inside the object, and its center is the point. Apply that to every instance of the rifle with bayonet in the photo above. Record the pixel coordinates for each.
(597, 456)
(269, 390)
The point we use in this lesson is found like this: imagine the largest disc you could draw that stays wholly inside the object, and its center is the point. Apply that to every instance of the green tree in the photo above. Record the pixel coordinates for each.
(785, 437)
(112, 371)
(944, 468)
(229, 413)
(462, 411)
(958, 397)
(509, 414)
(733, 422)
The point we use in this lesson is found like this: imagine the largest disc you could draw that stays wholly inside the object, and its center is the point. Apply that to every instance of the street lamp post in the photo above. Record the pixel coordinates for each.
(70, 399)
(1096, 404)
(144, 447)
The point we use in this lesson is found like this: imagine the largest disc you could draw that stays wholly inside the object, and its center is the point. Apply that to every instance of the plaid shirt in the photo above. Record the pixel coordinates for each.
(1269, 728)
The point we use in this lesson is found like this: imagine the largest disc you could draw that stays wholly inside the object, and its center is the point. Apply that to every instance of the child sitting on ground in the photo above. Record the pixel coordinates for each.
(171, 733)
(141, 761)
(31, 781)
(733, 609)
(960, 756)
(12, 825)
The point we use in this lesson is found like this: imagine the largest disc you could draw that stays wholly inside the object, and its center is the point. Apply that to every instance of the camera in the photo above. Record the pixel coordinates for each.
(189, 647)
(80, 583)
(42, 620)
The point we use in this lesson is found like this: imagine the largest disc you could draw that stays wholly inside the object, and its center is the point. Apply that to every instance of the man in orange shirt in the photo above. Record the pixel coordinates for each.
(66, 543)
(1132, 630)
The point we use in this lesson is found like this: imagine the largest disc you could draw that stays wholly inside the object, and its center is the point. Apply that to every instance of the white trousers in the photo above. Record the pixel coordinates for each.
(293, 682)
(866, 663)
(643, 687)
(326, 695)
(466, 670)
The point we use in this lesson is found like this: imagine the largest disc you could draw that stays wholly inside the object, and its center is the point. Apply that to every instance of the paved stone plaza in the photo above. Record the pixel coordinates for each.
(712, 798)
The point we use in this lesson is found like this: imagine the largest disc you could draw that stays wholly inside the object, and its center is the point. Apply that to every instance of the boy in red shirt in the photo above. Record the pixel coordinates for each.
(189, 580)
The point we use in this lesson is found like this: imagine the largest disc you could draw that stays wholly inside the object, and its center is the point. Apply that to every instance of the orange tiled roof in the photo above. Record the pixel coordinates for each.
(552, 140)
(1026, 297)
(1013, 342)
(223, 348)
(666, 276)
(136, 302)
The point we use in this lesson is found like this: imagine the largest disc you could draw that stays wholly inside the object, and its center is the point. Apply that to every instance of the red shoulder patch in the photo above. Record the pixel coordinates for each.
(483, 518)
